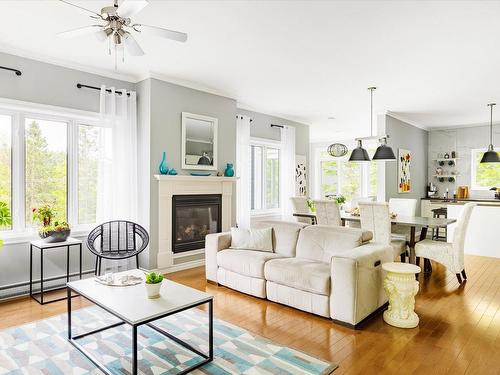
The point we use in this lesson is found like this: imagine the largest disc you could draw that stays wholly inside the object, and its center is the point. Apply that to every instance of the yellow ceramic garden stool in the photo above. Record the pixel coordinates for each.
(401, 288)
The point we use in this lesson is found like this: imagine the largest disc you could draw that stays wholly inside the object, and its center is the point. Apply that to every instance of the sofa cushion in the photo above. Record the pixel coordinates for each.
(252, 239)
(285, 235)
(245, 262)
(303, 274)
(321, 242)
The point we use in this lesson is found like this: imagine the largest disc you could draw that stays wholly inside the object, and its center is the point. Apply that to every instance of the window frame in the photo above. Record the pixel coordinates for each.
(20, 111)
(265, 144)
(364, 173)
(473, 172)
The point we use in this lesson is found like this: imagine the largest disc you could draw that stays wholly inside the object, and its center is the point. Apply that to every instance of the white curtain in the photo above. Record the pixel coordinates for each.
(243, 171)
(117, 184)
(287, 171)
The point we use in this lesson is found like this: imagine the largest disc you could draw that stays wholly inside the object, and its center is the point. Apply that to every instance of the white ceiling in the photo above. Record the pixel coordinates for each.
(436, 63)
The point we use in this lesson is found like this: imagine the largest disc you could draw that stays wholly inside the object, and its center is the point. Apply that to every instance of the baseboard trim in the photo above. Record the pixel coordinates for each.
(182, 266)
(364, 321)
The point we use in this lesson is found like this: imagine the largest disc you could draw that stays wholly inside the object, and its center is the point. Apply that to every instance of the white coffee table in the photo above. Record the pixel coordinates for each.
(401, 288)
(132, 306)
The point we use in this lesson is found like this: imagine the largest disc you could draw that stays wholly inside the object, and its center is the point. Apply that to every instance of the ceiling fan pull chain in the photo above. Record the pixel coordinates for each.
(116, 57)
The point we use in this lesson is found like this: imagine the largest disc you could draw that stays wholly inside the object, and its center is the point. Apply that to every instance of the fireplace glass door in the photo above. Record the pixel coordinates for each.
(194, 216)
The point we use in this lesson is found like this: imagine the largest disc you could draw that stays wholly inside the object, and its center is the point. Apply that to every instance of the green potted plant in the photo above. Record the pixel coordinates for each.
(57, 231)
(5, 217)
(340, 199)
(153, 284)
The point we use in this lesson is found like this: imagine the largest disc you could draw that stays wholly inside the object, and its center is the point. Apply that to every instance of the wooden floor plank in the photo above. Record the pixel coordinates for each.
(459, 331)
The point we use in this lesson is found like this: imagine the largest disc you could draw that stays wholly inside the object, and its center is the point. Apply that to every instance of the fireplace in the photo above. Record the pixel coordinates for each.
(193, 217)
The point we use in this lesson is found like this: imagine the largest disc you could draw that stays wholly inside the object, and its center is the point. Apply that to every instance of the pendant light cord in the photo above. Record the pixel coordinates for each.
(491, 122)
(371, 109)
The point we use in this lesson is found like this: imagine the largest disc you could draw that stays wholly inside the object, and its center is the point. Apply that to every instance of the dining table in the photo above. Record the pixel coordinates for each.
(413, 222)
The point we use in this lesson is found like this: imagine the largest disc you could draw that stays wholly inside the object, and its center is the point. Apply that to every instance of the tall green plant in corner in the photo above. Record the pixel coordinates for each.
(5, 218)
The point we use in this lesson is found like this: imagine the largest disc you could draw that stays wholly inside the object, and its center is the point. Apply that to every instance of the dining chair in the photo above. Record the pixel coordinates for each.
(449, 254)
(300, 206)
(403, 207)
(327, 212)
(116, 240)
(375, 217)
(355, 203)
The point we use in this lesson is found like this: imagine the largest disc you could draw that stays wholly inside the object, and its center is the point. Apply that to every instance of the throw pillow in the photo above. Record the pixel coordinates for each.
(252, 239)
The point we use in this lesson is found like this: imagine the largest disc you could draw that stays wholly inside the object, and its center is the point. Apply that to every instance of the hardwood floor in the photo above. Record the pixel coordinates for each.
(459, 331)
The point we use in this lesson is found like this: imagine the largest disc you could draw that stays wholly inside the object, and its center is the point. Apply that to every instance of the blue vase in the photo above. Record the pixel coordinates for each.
(229, 172)
(163, 165)
(172, 172)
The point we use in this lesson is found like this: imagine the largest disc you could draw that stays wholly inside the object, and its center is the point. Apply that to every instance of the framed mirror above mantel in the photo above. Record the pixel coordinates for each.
(199, 142)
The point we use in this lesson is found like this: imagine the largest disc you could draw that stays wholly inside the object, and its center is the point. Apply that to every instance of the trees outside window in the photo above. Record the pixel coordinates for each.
(265, 175)
(484, 175)
(6, 164)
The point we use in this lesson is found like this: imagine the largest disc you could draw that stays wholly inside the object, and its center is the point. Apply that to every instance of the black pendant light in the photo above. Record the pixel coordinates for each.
(359, 153)
(491, 156)
(384, 152)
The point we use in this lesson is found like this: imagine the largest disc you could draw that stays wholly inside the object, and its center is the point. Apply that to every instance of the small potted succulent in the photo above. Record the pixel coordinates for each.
(153, 284)
(57, 231)
(5, 218)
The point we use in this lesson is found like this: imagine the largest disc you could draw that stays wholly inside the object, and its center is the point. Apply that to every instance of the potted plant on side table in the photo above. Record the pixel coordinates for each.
(58, 231)
(5, 217)
(153, 284)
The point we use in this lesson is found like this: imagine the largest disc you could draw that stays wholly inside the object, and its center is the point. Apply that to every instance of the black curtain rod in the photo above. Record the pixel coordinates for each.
(18, 72)
(79, 85)
(242, 117)
(277, 126)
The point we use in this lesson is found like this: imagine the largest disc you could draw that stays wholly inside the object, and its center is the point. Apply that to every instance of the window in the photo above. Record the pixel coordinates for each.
(46, 167)
(484, 175)
(54, 159)
(94, 155)
(6, 163)
(265, 178)
(338, 176)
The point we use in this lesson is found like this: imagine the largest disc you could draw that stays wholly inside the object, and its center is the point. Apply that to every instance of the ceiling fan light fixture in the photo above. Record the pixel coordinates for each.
(384, 152)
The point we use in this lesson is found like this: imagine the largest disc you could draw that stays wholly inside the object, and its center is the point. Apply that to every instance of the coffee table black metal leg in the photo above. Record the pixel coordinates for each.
(80, 261)
(134, 350)
(67, 264)
(211, 330)
(68, 290)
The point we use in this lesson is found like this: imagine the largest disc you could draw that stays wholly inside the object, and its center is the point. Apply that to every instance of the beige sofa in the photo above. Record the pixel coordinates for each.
(330, 271)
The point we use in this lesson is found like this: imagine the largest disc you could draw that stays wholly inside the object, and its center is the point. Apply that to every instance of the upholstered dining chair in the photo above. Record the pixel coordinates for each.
(300, 206)
(375, 217)
(403, 207)
(117, 240)
(327, 212)
(450, 255)
(355, 203)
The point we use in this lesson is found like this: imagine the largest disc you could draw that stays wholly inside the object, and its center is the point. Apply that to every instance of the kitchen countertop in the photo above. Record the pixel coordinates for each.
(464, 200)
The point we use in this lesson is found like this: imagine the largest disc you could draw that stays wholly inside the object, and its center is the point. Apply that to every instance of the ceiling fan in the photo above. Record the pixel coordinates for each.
(116, 26)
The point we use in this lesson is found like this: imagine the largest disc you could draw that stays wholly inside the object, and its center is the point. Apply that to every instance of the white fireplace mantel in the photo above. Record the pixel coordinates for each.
(187, 185)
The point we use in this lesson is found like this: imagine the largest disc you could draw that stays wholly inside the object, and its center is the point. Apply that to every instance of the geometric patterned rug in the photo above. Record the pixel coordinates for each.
(41, 347)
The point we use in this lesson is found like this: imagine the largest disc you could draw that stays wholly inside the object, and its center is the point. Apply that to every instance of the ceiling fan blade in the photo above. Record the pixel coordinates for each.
(86, 30)
(130, 8)
(78, 6)
(161, 32)
(133, 47)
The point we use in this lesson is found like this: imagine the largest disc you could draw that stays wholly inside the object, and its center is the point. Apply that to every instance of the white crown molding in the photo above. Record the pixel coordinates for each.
(455, 127)
(186, 83)
(295, 119)
(408, 121)
(8, 49)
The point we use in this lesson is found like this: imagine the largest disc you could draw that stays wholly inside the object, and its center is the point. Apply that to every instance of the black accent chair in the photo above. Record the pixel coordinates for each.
(117, 239)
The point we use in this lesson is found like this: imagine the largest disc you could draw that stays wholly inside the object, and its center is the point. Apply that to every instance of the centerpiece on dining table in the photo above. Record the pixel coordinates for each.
(50, 230)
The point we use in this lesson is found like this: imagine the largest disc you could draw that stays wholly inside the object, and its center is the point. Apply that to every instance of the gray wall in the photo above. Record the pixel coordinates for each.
(168, 101)
(53, 85)
(261, 128)
(463, 141)
(409, 137)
